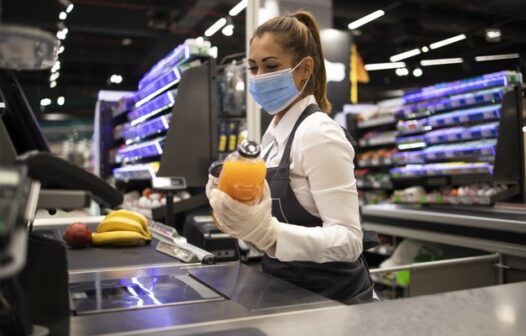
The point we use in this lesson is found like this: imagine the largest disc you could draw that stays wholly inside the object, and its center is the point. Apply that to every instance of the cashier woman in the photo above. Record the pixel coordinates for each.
(307, 222)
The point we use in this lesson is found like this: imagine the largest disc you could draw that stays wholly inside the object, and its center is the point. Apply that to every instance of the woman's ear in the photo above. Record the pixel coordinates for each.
(307, 67)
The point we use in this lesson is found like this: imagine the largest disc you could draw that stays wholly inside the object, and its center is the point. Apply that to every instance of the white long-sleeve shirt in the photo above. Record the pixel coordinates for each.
(322, 178)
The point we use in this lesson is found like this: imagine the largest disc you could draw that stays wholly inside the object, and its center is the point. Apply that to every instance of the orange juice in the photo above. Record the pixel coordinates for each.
(243, 174)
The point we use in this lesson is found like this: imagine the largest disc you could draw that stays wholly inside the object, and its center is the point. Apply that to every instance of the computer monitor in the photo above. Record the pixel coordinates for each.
(18, 118)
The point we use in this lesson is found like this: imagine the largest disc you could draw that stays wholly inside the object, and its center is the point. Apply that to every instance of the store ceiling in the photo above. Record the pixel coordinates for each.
(126, 37)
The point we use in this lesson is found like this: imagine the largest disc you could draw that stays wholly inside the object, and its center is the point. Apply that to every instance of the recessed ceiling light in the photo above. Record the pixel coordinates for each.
(447, 41)
(366, 19)
(238, 8)
(215, 27)
(499, 57)
(441, 61)
(417, 72)
(404, 55)
(384, 66)
(61, 100)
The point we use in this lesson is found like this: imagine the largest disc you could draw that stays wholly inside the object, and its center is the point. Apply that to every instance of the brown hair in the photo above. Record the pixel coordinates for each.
(299, 34)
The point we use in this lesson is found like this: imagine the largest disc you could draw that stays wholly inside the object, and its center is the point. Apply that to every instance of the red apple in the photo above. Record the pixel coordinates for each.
(77, 235)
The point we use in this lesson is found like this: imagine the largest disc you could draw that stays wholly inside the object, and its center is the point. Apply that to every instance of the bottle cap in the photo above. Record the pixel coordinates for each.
(249, 149)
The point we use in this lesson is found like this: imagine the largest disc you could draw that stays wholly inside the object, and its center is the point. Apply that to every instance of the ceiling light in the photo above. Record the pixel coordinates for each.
(238, 8)
(487, 58)
(441, 61)
(61, 49)
(45, 102)
(54, 76)
(404, 55)
(53, 84)
(366, 19)
(70, 8)
(199, 39)
(228, 30)
(402, 72)
(126, 41)
(384, 66)
(63, 16)
(425, 49)
(215, 27)
(61, 100)
(417, 72)
(2, 105)
(116, 79)
(447, 41)
(493, 35)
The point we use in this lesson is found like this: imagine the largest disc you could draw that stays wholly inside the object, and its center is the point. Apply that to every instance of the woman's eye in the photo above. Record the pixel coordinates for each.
(253, 69)
(272, 67)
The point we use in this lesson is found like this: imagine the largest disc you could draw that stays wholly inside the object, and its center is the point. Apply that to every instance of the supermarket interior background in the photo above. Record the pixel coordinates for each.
(136, 98)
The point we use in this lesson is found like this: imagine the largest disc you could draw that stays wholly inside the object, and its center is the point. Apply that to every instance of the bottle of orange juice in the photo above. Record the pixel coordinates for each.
(243, 173)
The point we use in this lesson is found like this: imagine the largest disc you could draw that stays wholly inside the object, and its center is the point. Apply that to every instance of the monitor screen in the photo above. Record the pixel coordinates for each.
(18, 117)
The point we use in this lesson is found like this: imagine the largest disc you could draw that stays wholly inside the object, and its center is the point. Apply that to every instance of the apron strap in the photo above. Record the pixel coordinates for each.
(285, 159)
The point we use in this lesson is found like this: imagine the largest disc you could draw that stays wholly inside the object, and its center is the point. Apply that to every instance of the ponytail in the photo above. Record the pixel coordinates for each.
(298, 33)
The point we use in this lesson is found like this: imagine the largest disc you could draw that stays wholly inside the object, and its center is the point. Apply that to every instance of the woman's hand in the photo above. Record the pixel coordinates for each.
(252, 223)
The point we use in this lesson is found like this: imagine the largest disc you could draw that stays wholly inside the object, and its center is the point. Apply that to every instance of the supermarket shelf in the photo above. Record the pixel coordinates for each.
(441, 180)
(484, 113)
(361, 184)
(135, 172)
(140, 151)
(379, 121)
(377, 142)
(463, 200)
(484, 131)
(459, 151)
(499, 79)
(385, 162)
(159, 85)
(152, 108)
(148, 129)
(423, 109)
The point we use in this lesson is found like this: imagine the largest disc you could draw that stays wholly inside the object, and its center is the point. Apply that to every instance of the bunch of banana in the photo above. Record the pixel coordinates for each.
(122, 228)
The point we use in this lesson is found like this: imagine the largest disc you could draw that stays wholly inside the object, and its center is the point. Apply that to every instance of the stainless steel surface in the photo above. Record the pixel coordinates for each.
(54, 222)
(63, 199)
(486, 218)
(493, 259)
(138, 292)
(254, 290)
(449, 275)
(104, 257)
(451, 239)
(246, 292)
(489, 311)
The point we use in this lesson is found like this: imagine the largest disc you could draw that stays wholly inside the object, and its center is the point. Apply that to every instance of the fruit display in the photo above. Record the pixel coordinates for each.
(118, 228)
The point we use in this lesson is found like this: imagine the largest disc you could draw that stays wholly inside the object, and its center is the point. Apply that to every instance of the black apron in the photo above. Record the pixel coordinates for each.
(347, 282)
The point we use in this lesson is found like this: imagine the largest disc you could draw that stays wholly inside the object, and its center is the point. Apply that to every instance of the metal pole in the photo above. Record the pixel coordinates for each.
(253, 111)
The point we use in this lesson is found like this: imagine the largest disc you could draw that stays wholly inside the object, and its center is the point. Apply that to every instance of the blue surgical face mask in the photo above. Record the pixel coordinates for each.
(274, 91)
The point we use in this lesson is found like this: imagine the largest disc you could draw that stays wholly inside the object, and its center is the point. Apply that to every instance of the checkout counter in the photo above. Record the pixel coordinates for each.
(138, 291)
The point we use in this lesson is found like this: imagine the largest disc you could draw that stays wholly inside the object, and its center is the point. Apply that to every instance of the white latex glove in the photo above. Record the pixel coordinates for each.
(252, 223)
(211, 184)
